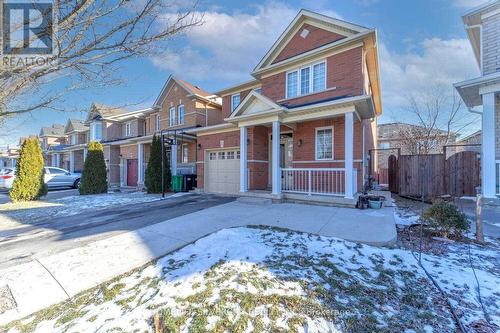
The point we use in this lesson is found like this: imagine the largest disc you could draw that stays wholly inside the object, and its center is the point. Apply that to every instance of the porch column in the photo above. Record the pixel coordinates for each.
(173, 160)
(140, 164)
(85, 151)
(276, 168)
(71, 161)
(488, 146)
(349, 153)
(243, 159)
(53, 160)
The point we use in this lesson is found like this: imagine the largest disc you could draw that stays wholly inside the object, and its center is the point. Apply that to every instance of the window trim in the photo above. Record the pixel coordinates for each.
(186, 154)
(157, 122)
(179, 114)
(128, 128)
(232, 105)
(316, 143)
(171, 120)
(311, 79)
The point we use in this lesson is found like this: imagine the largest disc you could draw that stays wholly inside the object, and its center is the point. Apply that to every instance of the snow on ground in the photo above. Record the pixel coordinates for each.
(263, 279)
(29, 212)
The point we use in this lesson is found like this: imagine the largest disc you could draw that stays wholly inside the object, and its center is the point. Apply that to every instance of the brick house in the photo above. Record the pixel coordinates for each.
(127, 135)
(483, 29)
(52, 139)
(317, 91)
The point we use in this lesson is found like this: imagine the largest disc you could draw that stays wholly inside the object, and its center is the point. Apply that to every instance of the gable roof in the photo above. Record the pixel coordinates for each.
(191, 89)
(75, 125)
(340, 27)
(102, 111)
(255, 103)
(56, 130)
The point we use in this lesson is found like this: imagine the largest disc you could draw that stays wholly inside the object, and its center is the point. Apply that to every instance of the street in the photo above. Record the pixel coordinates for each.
(63, 233)
(55, 193)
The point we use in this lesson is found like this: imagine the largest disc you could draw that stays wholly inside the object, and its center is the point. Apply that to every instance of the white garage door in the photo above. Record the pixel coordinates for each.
(223, 171)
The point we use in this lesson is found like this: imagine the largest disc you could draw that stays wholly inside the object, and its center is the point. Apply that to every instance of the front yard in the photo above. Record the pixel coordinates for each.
(264, 279)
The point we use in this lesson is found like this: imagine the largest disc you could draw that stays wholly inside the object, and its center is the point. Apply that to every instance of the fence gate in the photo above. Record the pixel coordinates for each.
(421, 174)
(462, 173)
(393, 174)
(384, 166)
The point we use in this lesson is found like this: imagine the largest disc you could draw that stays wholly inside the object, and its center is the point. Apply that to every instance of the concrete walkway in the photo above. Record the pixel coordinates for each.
(52, 279)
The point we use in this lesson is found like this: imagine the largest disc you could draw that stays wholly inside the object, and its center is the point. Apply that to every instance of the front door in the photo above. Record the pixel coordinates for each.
(131, 172)
(286, 153)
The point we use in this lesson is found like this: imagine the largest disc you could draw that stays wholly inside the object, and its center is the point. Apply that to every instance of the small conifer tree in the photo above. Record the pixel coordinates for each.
(152, 180)
(94, 177)
(29, 183)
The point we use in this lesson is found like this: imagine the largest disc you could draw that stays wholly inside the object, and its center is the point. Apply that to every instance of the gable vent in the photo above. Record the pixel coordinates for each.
(304, 33)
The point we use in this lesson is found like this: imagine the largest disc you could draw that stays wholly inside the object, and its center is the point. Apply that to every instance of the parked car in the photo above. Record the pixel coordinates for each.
(54, 177)
(7, 176)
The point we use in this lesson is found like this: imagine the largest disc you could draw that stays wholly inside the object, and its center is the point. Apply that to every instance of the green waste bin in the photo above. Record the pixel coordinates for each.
(177, 183)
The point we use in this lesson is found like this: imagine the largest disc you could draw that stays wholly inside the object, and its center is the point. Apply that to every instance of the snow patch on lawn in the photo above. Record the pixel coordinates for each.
(72, 205)
(266, 279)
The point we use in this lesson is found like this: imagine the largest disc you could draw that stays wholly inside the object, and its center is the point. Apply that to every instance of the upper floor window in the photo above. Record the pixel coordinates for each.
(181, 114)
(384, 145)
(172, 116)
(157, 122)
(96, 131)
(324, 143)
(184, 153)
(128, 129)
(306, 80)
(235, 101)
(74, 138)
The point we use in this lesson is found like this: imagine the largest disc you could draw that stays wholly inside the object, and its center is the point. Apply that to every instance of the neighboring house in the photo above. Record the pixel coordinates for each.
(52, 138)
(483, 29)
(471, 139)
(73, 154)
(413, 139)
(306, 121)
(8, 157)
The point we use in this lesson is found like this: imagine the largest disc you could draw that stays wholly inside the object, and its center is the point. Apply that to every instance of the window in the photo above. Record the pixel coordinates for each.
(73, 139)
(384, 145)
(222, 155)
(238, 155)
(319, 77)
(181, 114)
(291, 84)
(258, 90)
(306, 80)
(157, 122)
(128, 129)
(230, 155)
(212, 156)
(235, 101)
(184, 156)
(96, 131)
(56, 171)
(172, 116)
(324, 143)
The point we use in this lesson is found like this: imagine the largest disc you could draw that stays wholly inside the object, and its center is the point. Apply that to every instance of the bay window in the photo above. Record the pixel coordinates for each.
(306, 80)
(128, 129)
(324, 143)
(96, 131)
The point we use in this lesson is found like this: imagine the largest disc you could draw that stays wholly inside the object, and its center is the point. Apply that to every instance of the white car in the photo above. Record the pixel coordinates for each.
(54, 177)
(7, 176)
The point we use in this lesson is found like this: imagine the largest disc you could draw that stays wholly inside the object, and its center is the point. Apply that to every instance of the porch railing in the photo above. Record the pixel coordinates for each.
(316, 181)
(497, 180)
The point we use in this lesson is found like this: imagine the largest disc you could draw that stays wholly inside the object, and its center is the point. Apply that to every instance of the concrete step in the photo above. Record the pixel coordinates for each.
(255, 201)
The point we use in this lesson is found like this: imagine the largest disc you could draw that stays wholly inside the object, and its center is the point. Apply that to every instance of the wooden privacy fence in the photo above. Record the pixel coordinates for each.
(434, 175)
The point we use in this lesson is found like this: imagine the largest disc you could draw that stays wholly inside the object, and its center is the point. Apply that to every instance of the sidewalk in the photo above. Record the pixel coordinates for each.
(52, 279)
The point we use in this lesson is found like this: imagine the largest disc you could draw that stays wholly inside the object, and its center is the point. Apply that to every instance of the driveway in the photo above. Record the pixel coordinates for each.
(56, 193)
(490, 216)
(75, 259)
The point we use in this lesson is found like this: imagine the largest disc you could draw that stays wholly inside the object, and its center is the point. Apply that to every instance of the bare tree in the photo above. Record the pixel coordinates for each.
(437, 119)
(91, 38)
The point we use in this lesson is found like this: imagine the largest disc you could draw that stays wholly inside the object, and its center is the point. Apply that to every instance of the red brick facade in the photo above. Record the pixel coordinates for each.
(344, 77)
(316, 37)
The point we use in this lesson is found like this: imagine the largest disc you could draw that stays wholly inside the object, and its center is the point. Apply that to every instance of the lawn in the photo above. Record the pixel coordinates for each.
(263, 279)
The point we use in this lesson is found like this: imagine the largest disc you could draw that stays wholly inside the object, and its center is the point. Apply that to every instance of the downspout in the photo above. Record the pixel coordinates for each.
(206, 115)
(363, 165)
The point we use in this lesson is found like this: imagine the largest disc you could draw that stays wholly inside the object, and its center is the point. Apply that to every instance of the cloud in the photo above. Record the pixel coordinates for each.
(468, 3)
(228, 45)
(438, 64)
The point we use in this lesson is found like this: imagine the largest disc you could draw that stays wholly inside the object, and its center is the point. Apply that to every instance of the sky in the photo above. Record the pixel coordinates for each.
(421, 44)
